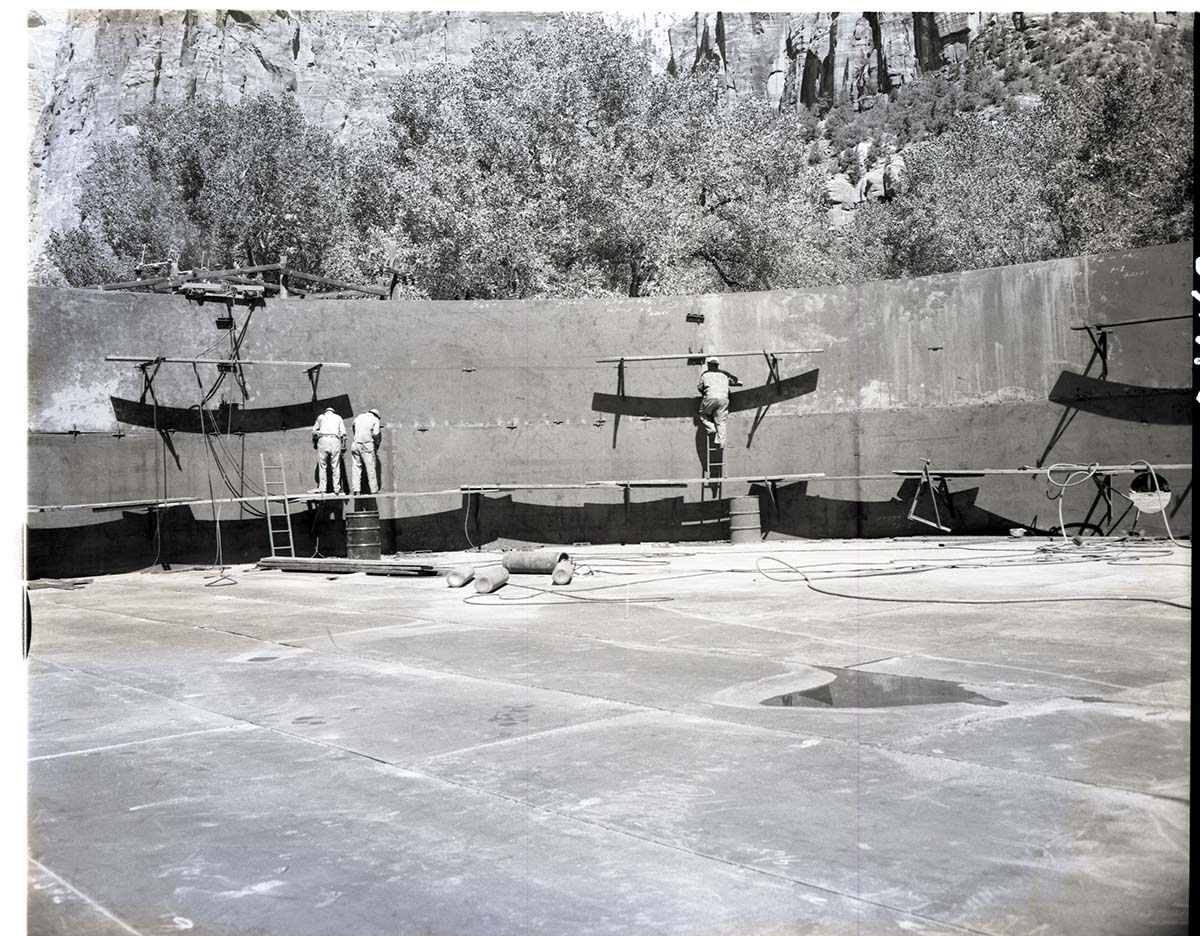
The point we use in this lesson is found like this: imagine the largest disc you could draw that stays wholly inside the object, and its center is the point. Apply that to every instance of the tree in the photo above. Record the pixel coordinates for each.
(973, 199)
(560, 165)
(1125, 179)
(214, 184)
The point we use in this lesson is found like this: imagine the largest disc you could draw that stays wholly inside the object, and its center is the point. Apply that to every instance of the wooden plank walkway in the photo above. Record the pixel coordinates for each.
(345, 566)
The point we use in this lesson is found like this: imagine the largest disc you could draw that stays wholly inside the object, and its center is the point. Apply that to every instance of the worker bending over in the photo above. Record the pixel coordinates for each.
(714, 399)
(364, 452)
(329, 439)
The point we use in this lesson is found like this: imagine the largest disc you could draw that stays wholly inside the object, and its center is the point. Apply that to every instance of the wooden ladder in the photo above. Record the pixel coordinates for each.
(273, 486)
(714, 468)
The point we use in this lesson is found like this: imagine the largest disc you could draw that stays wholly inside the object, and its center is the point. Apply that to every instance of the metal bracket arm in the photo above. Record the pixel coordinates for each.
(773, 367)
(1099, 340)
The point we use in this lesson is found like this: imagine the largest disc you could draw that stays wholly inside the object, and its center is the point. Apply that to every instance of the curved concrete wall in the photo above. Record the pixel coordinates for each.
(958, 369)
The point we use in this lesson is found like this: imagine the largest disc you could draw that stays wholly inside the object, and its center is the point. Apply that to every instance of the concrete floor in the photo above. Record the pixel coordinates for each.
(300, 754)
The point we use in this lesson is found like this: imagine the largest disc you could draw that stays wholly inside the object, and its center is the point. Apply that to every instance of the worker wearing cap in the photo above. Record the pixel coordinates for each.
(329, 439)
(714, 399)
(364, 451)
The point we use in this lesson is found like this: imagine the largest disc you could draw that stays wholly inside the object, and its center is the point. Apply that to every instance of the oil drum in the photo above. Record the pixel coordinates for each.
(744, 523)
(362, 534)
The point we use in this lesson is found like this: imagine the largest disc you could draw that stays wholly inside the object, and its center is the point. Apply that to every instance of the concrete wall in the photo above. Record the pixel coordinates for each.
(955, 368)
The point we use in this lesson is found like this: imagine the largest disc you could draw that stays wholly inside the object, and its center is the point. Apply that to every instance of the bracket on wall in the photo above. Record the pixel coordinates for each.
(621, 377)
(1104, 492)
(1100, 342)
(697, 317)
(148, 378)
(773, 493)
(773, 367)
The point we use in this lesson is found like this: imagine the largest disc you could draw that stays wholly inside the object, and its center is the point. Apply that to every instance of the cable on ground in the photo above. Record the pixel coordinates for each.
(576, 593)
(791, 569)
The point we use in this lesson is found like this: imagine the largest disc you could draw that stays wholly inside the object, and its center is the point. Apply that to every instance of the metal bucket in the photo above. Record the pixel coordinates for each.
(744, 523)
(362, 534)
(1150, 493)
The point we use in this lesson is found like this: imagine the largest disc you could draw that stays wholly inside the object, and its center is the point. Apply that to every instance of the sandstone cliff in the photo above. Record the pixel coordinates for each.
(91, 71)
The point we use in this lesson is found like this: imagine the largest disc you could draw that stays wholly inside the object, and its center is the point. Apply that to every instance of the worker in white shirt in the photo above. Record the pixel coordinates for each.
(364, 451)
(329, 439)
(714, 399)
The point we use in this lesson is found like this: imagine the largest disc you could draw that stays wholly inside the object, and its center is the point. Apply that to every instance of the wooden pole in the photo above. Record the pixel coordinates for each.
(703, 354)
(130, 284)
(339, 284)
(614, 485)
(169, 360)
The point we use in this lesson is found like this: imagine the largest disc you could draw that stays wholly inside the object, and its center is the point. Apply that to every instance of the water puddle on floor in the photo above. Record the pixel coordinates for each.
(855, 689)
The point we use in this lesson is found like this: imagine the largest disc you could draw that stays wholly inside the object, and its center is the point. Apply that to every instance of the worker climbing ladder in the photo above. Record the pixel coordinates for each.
(275, 486)
(714, 455)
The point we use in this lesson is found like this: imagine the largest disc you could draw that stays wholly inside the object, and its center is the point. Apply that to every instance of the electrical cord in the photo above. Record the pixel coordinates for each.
(577, 595)
(234, 352)
(1077, 474)
(1123, 552)
(222, 471)
(1044, 555)
(219, 560)
(954, 601)
(466, 517)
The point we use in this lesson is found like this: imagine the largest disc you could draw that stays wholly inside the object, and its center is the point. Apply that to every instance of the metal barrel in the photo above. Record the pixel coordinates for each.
(362, 534)
(744, 523)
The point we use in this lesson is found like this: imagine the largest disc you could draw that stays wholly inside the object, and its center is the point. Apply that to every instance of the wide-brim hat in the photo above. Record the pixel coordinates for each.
(373, 411)
(712, 360)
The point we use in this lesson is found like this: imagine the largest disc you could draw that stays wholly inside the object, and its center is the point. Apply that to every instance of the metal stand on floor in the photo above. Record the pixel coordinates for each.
(927, 482)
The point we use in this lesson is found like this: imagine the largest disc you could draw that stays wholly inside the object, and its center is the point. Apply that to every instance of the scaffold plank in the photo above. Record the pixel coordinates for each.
(704, 354)
(151, 358)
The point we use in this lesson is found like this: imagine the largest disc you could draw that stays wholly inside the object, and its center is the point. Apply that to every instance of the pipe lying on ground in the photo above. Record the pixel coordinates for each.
(460, 576)
(563, 572)
(490, 579)
(534, 560)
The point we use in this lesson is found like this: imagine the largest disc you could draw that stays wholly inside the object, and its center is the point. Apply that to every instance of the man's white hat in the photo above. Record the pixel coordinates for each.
(373, 411)
(712, 360)
(329, 409)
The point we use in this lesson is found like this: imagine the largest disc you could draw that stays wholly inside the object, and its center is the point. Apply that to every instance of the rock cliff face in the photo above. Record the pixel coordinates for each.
(91, 71)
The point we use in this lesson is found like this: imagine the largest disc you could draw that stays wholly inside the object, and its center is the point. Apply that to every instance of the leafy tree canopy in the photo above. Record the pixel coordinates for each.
(560, 165)
(1106, 166)
(211, 184)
